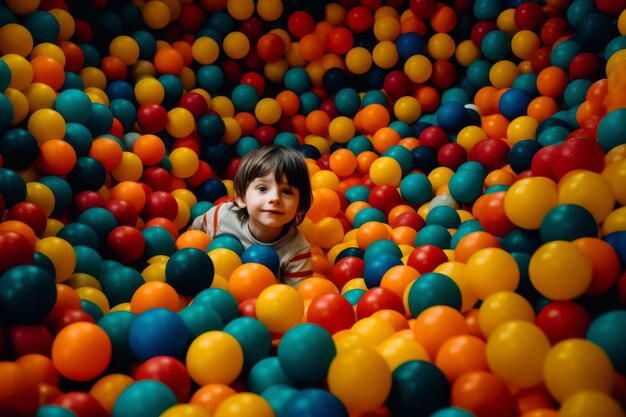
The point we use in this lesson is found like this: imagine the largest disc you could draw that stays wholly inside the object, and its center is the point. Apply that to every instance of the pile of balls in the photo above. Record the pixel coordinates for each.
(468, 228)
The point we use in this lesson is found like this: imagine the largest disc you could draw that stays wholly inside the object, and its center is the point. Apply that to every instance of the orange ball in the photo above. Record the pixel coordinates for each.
(436, 325)
(40, 368)
(317, 122)
(373, 117)
(428, 98)
(472, 243)
(131, 192)
(371, 232)
(248, 123)
(483, 99)
(444, 19)
(210, 396)
(249, 280)
(311, 47)
(385, 138)
(552, 81)
(404, 235)
(342, 162)
(495, 126)
(316, 286)
(108, 152)
(48, 71)
(149, 148)
(289, 102)
(67, 299)
(56, 157)
(81, 351)
(461, 354)
(21, 228)
(354, 208)
(398, 277)
(154, 294)
(193, 239)
(168, 61)
(364, 161)
(542, 107)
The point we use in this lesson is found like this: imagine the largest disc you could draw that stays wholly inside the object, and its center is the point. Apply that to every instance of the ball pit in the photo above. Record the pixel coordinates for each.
(467, 224)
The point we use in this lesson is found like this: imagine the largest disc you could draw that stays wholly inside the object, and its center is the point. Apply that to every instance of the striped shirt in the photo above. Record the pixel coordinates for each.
(294, 252)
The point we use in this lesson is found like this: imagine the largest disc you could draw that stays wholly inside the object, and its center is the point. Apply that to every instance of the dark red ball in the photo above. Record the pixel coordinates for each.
(426, 258)
(376, 299)
(451, 155)
(560, 320)
(126, 244)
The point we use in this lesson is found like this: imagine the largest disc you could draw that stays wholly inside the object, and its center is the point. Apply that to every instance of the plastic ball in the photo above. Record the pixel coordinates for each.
(126, 243)
(152, 397)
(561, 320)
(155, 332)
(74, 348)
(406, 398)
(432, 289)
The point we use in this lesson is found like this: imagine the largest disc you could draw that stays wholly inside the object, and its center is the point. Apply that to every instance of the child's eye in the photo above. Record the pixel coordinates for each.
(261, 188)
(288, 191)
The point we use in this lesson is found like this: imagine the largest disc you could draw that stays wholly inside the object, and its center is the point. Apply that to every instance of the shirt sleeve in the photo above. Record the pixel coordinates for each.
(204, 222)
(299, 268)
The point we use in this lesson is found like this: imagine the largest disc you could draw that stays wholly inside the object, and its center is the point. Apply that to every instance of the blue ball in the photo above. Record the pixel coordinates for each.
(347, 101)
(5, 73)
(27, 294)
(92, 309)
(87, 175)
(478, 73)
(612, 129)
(432, 289)
(496, 45)
(553, 135)
(147, 398)
(79, 137)
(254, 338)
(608, 331)
(527, 81)
(278, 395)
(310, 341)
(376, 268)
(88, 261)
(158, 242)
(189, 271)
(314, 402)
(487, 9)
(418, 388)
(211, 190)
(424, 159)
(520, 240)
(6, 107)
(618, 241)
(18, 147)
(402, 155)
(409, 44)
(262, 254)
(334, 79)
(297, 80)
(445, 216)
(433, 234)
(374, 97)
(354, 295)
(210, 77)
(563, 53)
(368, 214)
(62, 191)
(451, 116)
(576, 92)
(351, 251)
(211, 128)
(227, 241)
(117, 324)
(309, 101)
(466, 186)
(100, 219)
(120, 89)
(244, 97)
(12, 187)
(380, 247)
(452, 412)
(360, 144)
(287, 139)
(124, 111)
(173, 87)
(522, 153)
(595, 31)
(463, 230)
(43, 27)
(79, 234)
(221, 301)
(50, 410)
(267, 373)
(246, 144)
(199, 319)
(514, 103)
(156, 332)
(357, 193)
(120, 284)
(101, 119)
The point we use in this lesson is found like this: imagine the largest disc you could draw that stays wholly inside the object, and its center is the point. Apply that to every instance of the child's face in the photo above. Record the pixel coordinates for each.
(271, 204)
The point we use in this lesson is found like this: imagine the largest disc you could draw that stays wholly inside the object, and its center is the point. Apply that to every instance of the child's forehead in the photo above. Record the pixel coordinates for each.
(271, 177)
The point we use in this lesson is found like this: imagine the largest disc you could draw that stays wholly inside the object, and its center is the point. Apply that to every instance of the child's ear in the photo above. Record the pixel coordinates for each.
(240, 202)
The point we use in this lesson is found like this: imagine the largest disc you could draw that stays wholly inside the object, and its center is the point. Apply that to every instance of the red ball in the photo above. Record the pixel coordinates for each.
(248, 307)
(479, 31)
(123, 211)
(255, 80)
(614, 7)
(423, 8)
(339, 40)
(553, 29)
(15, 249)
(253, 28)
(29, 338)
(113, 68)
(578, 153)
(203, 173)
(346, 269)
(540, 59)
(191, 17)
(542, 164)
(323, 162)
(157, 178)
(331, 311)
(233, 69)
(426, 258)
(265, 134)
(384, 198)
(195, 103)
(31, 214)
(81, 403)
(492, 217)
(585, 65)
(152, 118)
(433, 137)
(528, 16)
(169, 371)
(359, 19)
(492, 153)
(376, 299)
(69, 316)
(561, 320)
(160, 204)
(444, 74)
(300, 23)
(328, 106)
(397, 84)
(270, 47)
(410, 219)
(451, 155)
(126, 244)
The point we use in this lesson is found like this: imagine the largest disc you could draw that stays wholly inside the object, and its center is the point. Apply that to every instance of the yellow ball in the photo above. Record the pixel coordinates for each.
(341, 129)
(386, 28)
(205, 50)
(268, 111)
(502, 307)
(214, 357)
(244, 404)
(279, 307)
(589, 190)
(591, 403)
(503, 73)
(385, 54)
(156, 14)
(386, 171)
(185, 162)
(269, 10)
(240, 9)
(528, 200)
(126, 48)
(15, 39)
(418, 68)
(358, 60)
(21, 71)
(149, 90)
(46, 124)
(466, 53)
(130, 169)
(525, 43)
(62, 255)
(491, 270)
(236, 45)
(407, 109)
(441, 46)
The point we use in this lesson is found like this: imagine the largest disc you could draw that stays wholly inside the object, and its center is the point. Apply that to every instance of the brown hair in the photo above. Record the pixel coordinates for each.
(277, 160)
